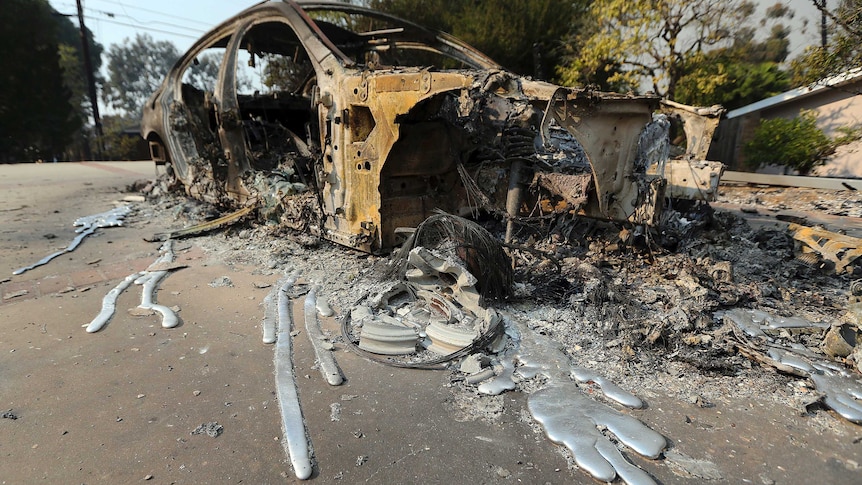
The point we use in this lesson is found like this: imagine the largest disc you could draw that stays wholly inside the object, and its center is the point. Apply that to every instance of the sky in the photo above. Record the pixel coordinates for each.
(184, 21)
(179, 21)
(801, 35)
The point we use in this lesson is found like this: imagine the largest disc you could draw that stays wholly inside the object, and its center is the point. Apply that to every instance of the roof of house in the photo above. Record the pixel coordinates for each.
(798, 93)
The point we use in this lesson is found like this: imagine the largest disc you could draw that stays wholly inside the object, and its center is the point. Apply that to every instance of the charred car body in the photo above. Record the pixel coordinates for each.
(375, 122)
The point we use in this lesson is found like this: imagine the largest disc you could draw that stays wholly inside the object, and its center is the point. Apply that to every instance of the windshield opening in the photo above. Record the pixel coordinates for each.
(373, 41)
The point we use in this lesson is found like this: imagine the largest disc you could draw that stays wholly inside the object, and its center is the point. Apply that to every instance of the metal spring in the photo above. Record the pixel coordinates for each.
(518, 142)
(812, 260)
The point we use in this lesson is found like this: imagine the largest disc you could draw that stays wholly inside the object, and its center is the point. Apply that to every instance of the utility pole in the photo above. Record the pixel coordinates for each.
(91, 81)
(821, 4)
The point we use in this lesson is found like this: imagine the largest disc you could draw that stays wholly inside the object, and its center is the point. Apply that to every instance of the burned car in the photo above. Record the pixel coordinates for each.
(362, 123)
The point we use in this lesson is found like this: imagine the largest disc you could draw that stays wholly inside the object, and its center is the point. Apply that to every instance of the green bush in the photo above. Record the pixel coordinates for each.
(796, 143)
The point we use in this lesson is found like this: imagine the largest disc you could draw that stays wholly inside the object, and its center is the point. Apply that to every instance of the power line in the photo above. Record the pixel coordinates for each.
(156, 12)
(151, 29)
(111, 15)
(139, 23)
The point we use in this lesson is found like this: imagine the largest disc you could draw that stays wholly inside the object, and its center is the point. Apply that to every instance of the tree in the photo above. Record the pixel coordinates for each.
(725, 80)
(36, 119)
(650, 41)
(745, 72)
(796, 143)
(119, 143)
(135, 70)
(282, 73)
(841, 53)
(203, 73)
(522, 35)
(72, 63)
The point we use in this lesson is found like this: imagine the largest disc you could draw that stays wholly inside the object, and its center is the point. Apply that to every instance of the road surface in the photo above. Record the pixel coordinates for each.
(119, 406)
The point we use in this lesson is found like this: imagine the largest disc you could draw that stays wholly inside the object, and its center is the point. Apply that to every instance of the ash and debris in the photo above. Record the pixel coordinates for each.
(335, 412)
(221, 281)
(643, 308)
(211, 429)
(467, 404)
(837, 203)
(620, 301)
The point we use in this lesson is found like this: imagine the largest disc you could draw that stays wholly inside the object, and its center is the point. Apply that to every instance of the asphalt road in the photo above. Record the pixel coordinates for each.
(119, 406)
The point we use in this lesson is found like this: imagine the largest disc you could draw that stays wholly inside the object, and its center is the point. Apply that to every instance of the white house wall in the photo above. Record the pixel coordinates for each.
(836, 107)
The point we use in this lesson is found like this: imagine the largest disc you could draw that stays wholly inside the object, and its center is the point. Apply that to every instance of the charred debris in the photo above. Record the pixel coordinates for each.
(578, 199)
(519, 224)
(488, 144)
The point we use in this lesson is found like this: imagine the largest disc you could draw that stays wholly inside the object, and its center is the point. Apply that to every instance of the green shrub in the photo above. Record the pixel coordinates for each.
(795, 143)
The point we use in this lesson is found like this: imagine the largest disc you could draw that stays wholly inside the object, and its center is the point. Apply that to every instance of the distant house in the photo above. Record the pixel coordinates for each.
(838, 102)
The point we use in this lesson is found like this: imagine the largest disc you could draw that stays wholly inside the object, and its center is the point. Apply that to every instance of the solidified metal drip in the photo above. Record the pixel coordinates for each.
(111, 218)
(610, 389)
(80, 237)
(269, 316)
(296, 440)
(505, 380)
(40, 262)
(328, 366)
(571, 418)
(270, 313)
(842, 392)
(109, 303)
(757, 323)
(150, 280)
(323, 308)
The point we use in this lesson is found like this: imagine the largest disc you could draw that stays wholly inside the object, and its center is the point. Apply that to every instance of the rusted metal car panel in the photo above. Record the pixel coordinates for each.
(383, 122)
(690, 175)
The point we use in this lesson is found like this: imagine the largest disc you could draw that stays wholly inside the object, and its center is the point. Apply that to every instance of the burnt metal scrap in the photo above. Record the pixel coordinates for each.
(203, 227)
(448, 273)
(384, 122)
(838, 249)
(439, 307)
(698, 124)
(688, 173)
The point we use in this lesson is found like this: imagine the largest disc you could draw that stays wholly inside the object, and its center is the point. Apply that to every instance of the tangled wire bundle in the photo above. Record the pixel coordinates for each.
(463, 240)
